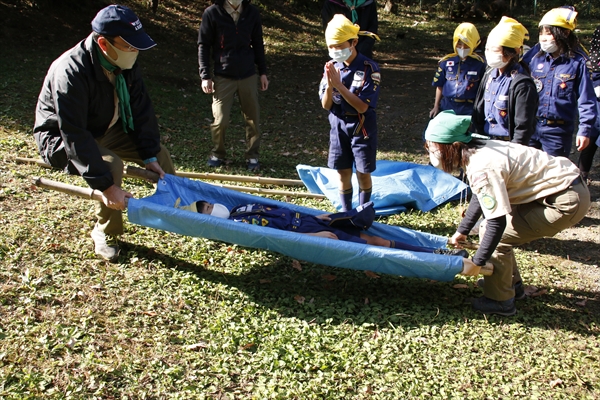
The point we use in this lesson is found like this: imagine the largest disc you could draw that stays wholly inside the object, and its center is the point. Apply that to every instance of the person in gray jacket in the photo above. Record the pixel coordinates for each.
(94, 111)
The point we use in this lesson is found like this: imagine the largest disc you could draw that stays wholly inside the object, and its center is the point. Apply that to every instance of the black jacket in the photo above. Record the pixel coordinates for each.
(76, 105)
(235, 48)
(522, 108)
(367, 20)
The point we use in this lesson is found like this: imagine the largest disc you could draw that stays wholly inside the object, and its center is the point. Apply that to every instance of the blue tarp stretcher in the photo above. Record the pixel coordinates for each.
(157, 211)
(396, 186)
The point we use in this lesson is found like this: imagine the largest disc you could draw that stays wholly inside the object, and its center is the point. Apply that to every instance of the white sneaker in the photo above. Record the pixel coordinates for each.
(108, 250)
(253, 164)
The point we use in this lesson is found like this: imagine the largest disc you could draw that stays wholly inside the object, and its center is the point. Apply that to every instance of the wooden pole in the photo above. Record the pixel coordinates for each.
(271, 191)
(241, 178)
(153, 176)
(469, 245)
(487, 269)
(37, 161)
(135, 172)
(86, 193)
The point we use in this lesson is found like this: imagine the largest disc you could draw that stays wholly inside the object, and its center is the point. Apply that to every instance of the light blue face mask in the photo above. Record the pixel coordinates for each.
(340, 55)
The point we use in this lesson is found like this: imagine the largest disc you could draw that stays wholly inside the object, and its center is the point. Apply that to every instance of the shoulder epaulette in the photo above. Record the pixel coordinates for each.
(477, 57)
(447, 56)
(582, 51)
(371, 64)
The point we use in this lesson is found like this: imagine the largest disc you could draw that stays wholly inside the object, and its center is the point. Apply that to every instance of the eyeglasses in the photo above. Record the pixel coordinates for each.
(122, 47)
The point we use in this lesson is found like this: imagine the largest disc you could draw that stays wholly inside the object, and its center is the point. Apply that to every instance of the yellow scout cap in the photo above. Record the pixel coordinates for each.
(564, 17)
(340, 30)
(508, 33)
(466, 33)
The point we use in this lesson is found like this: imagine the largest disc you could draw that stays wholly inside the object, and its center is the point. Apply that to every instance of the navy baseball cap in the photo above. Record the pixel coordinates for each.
(117, 20)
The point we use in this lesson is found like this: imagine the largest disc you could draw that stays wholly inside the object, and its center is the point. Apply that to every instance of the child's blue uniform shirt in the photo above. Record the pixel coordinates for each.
(565, 90)
(459, 81)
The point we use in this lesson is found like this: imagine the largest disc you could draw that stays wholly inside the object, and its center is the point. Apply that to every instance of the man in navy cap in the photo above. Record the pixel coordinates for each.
(94, 111)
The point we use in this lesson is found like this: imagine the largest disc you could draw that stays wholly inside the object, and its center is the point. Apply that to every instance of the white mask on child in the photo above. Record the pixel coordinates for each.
(463, 53)
(549, 46)
(340, 55)
(220, 211)
(494, 60)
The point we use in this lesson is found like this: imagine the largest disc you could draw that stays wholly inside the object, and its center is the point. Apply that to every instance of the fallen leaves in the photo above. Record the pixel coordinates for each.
(534, 291)
(556, 382)
(197, 346)
(461, 286)
(299, 299)
(296, 265)
(329, 277)
(581, 303)
(150, 313)
(372, 275)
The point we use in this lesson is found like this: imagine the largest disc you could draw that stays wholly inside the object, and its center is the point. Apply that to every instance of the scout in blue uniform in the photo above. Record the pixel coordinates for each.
(349, 90)
(346, 226)
(558, 67)
(459, 74)
(361, 12)
(507, 100)
(587, 155)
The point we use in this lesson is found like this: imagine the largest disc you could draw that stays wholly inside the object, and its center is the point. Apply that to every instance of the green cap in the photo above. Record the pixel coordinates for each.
(447, 127)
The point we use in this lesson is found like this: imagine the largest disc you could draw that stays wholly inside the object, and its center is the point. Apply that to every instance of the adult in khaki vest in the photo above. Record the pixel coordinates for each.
(523, 193)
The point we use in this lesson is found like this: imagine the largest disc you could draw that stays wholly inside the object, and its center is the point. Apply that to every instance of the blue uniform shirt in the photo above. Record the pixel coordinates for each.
(362, 77)
(353, 136)
(288, 220)
(496, 102)
(459, 81)
(565, 89)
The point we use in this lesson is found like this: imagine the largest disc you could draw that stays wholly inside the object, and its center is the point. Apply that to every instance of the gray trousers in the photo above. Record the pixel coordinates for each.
(527, 222)
(116, 147)
(247, 91)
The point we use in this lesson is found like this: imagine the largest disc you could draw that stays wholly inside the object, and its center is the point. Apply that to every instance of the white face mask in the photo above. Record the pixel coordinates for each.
(435, 161)
(549, 46)
(235, 3)
(220, 211)
(434, 155)
(340, 55)
(125, 59)
(494, 60)
(463, 53)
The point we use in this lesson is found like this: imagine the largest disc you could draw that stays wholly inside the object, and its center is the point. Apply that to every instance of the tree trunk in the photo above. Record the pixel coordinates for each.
(390, 6)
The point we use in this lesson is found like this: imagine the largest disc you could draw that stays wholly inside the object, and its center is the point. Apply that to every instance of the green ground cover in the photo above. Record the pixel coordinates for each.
(180, 317)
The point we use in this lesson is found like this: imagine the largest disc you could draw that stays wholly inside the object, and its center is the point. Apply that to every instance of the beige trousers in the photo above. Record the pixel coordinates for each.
(526, 222)
(116, 147)
(247, 91)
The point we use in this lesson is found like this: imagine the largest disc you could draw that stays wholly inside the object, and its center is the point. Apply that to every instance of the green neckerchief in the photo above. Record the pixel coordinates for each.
(122, 92)
(353, 5)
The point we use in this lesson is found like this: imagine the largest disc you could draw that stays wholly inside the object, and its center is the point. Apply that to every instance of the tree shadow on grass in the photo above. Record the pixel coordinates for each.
(585, 252)
(329, 295)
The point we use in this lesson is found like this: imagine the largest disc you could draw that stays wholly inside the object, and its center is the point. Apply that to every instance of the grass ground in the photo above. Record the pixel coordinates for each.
(182, 317)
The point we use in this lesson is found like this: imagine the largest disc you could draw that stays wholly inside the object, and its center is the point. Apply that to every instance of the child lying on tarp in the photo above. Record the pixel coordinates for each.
(345, 226)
